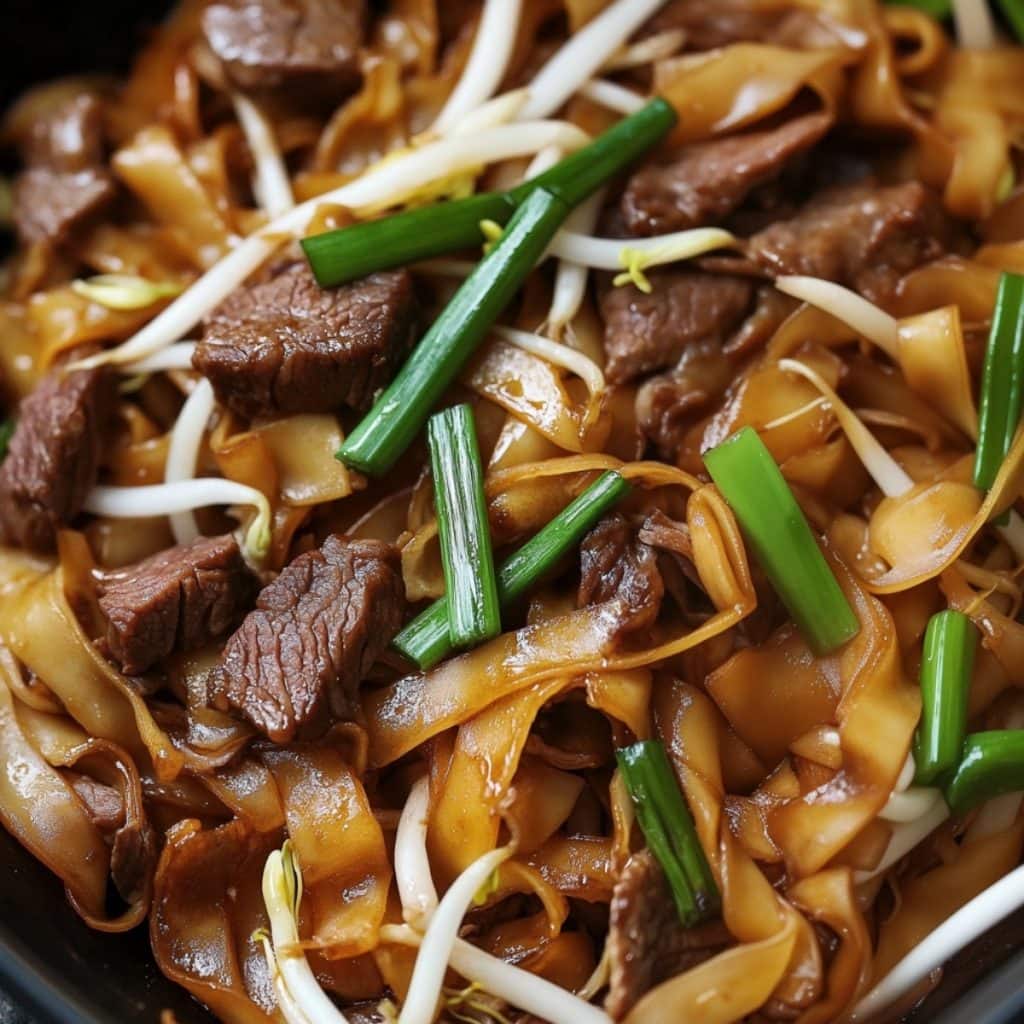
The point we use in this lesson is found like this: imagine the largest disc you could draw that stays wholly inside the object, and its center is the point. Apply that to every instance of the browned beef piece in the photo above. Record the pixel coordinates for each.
(177, 600)
(300, 43)
(866, 236)
(709, 24)
(53, 458)
(103, 803)
(645, 332)
(287, 345)
(647, 943)
(66, 181)
(615, 566)
(316, 631)
(707, 181)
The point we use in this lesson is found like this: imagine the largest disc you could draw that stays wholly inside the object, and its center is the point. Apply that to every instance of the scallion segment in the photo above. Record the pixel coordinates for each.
(400, 412)
(425, 641)
(950, 642)
(349, 253)
(6, 433)
(750, 481)
(991, 764)
(668, 828)
(936, 8)
(471, 586)
(336, 257)
(1013, 11)
(1002, 381)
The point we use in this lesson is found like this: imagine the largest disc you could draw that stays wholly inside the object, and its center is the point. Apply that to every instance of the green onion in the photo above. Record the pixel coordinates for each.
(464, 532)
(992, 763)
(949, 645)
(751, 483)
(6, 433)
(353, 252)
(936, 8)
(1001, 382)
(425, 640)
(1013, 11)
(668, 828)
(399, 413)
(349, 253)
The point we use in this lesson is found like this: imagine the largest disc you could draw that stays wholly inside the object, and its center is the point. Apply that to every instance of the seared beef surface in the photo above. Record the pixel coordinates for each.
(300, 656)
(865, 236)
(647, 943)
(646, 332)
(286, 345)
(66, 180)
(53, 457)
(177, 600)
(615, 566)
(267, 43)
(706, 182)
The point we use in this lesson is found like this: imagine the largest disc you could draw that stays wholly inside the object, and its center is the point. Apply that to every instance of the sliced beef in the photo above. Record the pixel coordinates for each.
(709, 24)
(647, 943)
(53, 457)
(177, 600)
(866, 236)
(104, 803)
(706, 182)
(615, 566)
(286, 345)
(264, 44)
(646, 332)
(316, 631)
(66, 181)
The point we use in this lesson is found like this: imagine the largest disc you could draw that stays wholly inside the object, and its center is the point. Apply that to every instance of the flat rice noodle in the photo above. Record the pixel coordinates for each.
(302, 448)
(738, 85)
(919, 41)
(422, 569)
(198, 899)
(139, 463)
(539, 802)
(249, 790)
(968, 284)
(934, 363)
(531, 390)
(64, 320)
(154, 168)
(141, 250)
(623, 696)
(19, 351)
(928, 900)
(417, 707)
(244, 456)
(828, 897)
(581, 867)
(409, 30)
(39, 627)
(876, 716)
(40, 809)
(338, 844)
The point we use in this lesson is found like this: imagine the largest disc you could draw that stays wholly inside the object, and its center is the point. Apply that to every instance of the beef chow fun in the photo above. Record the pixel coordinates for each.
(512, 510)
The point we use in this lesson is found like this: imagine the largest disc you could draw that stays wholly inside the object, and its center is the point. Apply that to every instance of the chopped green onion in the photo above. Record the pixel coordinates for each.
(349, 253)
(992, 763)
(936, 8)
(751, 483)
(353, 252)
(1013, 11)
(398, 414)
(425, 640)
(1001, 382)
(949, 645)
(6, 433)
(668, 827)
(465, 535)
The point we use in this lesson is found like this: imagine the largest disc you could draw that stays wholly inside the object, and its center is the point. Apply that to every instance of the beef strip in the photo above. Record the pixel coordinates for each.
(709, 24)
(646, 332)
(286, 345)
(647, 943)
(66, 181)
(314, 634)
(177, 600)
(866, 236)
(53, 458)
(707, 181)
(615, 566)
(103, 803)
(300, 43)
